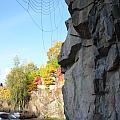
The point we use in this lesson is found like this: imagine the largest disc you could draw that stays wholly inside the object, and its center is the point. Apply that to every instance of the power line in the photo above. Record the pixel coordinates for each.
(47, 10)
(45, 7)
(42, 13)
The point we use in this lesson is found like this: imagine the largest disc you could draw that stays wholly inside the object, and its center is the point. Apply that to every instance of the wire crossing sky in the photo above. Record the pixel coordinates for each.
(28, 28)
(49, 10)
(44, 14)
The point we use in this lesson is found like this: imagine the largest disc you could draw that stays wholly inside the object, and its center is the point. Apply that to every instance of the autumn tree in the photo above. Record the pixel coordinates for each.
(30, 70)
(4, 93)
(48, 72)
(18, 81)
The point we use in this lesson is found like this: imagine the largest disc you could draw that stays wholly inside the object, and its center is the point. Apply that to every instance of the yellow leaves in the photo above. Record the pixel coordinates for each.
(47, 75)
(54, 51)
(48, 72)
(50, 69)
(31, 86)
(33, 74)
(49, 81)
(4, 93)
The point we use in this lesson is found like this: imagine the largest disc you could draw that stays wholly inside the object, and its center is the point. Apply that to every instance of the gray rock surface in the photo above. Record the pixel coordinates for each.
(47, 103)
(90, 60)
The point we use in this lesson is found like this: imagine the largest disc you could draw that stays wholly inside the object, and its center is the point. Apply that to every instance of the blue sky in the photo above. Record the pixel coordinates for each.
(20, 36)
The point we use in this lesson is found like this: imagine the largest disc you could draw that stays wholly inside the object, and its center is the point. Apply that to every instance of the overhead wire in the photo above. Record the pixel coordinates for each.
(41, 12)
(45, 5)
(50, 8)
(42, 29)
(61, 16)
(54, 17)
(39, 9)
(46, 8)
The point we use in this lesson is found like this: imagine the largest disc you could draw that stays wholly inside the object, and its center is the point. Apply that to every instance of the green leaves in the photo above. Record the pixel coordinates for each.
(24, 78)
(18, 80)
(48, 72)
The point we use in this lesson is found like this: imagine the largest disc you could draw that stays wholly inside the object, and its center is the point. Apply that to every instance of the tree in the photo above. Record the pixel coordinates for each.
(18, 81)
(30, 70)
(48, 72)
(16, 61)
(4, 93)
(54, 51)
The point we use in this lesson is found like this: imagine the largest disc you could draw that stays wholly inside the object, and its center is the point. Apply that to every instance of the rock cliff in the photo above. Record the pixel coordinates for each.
(47, 103)
(90, 60)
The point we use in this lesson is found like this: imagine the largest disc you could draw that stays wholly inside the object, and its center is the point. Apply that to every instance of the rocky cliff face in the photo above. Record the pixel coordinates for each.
(47, 103)
(90, 60)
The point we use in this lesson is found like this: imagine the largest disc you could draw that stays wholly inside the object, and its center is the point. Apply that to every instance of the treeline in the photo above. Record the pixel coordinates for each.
(24, 78)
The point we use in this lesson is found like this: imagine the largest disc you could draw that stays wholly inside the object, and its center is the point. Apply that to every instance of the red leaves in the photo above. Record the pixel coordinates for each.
(38, 80)
(59, 74)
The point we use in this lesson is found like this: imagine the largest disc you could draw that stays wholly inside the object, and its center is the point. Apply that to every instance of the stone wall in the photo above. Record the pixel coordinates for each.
(90, 60)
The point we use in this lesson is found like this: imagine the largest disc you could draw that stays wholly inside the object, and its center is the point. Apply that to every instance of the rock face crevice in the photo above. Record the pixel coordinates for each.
(90, 60)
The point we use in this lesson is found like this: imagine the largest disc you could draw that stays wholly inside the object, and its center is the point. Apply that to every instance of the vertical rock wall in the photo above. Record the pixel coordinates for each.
(47, 103)
(90, 60)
